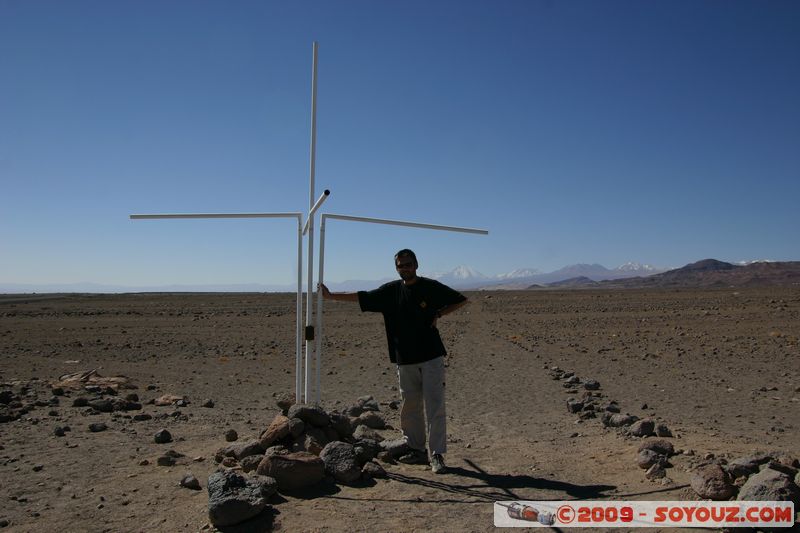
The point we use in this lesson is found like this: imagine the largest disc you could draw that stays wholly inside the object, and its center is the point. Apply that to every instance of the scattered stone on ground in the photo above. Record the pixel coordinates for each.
(162, 437)
(190, 482)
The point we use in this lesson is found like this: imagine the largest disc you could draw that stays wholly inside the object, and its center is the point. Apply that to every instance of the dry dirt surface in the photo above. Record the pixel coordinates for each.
(718, 367)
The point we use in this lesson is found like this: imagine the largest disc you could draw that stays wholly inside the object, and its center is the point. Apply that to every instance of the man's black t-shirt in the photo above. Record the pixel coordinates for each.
(408, 313)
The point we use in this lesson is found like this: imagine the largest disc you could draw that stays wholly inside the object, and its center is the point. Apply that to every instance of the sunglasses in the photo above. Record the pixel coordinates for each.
(405, 264)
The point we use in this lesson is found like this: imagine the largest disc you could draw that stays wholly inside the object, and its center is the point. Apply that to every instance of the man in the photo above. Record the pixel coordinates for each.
(411, 306)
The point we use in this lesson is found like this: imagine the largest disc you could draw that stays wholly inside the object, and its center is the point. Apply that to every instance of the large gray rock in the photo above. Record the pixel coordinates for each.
(294, 470)
(233, 498)
(712, 482)
(770, 485)
(310, 414)
(340, 461)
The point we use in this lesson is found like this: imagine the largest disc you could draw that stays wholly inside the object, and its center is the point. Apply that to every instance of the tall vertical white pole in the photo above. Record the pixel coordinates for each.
(311, 199)
(318, 333)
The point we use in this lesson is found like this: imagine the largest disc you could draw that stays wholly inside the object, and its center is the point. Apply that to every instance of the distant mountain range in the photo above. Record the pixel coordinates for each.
(522, 279)
(711, 273)
(708, 273)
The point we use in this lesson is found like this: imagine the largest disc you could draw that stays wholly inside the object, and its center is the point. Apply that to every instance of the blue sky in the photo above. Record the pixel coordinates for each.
(575, 132)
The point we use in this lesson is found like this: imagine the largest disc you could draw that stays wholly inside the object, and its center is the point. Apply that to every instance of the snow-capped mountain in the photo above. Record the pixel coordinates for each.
(519, 273)
(460, 276)
(638, 269)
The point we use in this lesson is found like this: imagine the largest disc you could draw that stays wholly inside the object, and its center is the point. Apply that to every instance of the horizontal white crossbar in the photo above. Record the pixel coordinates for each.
(404, 223)
(220, 215)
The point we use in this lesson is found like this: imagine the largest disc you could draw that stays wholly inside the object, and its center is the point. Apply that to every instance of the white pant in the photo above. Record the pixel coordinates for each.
(423, 384)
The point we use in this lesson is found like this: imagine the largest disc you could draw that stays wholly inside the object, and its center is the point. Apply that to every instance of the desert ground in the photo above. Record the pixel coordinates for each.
(718, 367)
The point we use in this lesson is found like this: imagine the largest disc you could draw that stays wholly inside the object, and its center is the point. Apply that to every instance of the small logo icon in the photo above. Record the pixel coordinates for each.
(566, 514)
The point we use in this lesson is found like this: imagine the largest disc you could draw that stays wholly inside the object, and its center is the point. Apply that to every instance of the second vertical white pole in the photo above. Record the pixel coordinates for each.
(318, 333)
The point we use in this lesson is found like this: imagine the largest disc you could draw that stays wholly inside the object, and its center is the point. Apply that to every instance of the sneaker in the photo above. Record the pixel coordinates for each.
(415, 457)
(437, 464)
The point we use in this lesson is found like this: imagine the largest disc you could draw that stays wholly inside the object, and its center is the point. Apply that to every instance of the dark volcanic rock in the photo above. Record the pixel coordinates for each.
(233, 498)
(340, 461)
(97, 427)
(190, 482)
(102, 405)
(591, 384)
(7, 396)
(574, 406)
(231, 435)
(162, 437)
(80, 401)
(294, 470)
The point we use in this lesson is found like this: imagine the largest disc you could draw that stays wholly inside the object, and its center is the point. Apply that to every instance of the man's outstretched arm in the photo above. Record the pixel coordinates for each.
(339, 296)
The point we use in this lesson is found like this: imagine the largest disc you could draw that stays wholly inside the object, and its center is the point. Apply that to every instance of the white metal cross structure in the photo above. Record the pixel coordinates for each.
(302, 386)
(301, 389)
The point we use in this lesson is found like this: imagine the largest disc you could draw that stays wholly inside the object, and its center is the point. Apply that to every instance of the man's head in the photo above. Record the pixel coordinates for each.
(405, 261)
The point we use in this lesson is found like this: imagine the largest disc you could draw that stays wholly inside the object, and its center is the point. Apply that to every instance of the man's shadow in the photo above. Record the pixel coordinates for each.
(501, 485)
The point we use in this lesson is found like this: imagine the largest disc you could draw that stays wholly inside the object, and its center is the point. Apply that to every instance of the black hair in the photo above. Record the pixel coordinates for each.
(405, 252)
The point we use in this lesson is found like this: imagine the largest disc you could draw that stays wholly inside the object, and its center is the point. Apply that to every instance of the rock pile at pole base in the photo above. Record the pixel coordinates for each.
(299, 449)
